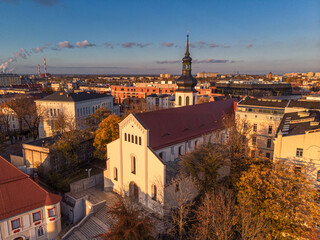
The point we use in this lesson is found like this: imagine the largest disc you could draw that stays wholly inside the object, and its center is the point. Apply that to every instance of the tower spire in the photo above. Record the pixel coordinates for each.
(187, 48)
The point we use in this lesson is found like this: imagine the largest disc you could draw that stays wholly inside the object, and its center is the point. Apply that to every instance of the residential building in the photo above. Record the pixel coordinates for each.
(207, 74)
(264, 116)
(7, 80)
(27, 211)
(298, 141)
(39, 153)
(159, 101)
(76, 107)
(120, 93)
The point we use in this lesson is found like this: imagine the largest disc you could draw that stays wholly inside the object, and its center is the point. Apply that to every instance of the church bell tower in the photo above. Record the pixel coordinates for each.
(186, 94)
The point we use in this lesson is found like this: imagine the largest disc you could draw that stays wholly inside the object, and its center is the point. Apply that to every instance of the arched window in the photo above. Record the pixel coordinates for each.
(139, 140)
(136, 138)
(154, 192)
(180, 100)
(128, 137)
(318, 176)
(187, 100)
(133, 165)
(132, 138)
(125, 137)
(115, 174)
(180, 150)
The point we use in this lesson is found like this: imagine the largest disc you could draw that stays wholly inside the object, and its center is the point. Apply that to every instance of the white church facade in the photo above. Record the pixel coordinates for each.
(144, 160)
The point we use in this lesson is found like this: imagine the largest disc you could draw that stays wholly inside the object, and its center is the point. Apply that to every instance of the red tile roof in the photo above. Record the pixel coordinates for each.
(19, 193)
(171, 126)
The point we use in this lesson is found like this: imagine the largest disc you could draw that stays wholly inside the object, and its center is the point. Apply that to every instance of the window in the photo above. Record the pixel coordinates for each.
(40, 231)
(255, 127)
(177, 187)
(268, 155)
(51, 212)
(196, 144)
(128, 137)
(154, 192)
(15, 224)
(245, 126)
(297, 169)
(318, 176)
(132, 138)
(115, 174)
(187, 100)
(139, 140)
(51, 112)
(133, 165)
(36, 216)
(125, 137)
(299, 152)
(254, 141)
(180, 100)
(270, 130)
(136, 140)
(180, 150)
(269, 143)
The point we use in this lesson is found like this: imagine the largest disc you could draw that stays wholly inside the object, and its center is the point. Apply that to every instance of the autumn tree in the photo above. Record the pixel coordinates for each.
(96, 118)
(5, 115)
(107, 132)
(68, 146)
(283, 197)
(129, 223)
(203, 165)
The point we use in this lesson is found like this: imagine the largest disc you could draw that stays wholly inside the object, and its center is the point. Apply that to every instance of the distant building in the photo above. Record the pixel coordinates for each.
(207, 74)
(159, 101)
(7, 80)
(255, 88)
(27, 211)
(165, 75)
(297, 142)
(74, 106)
(120, 93)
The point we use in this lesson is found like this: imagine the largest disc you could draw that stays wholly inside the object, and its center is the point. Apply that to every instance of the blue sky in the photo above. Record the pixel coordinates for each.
(148, 36)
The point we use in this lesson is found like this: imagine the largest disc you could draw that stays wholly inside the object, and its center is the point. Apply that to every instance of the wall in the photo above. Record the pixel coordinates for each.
(86, 183)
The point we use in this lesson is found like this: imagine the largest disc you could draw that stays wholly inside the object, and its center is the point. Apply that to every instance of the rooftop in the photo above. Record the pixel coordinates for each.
(299, 122)
(73, 97)
(171, 126)
(19, 193)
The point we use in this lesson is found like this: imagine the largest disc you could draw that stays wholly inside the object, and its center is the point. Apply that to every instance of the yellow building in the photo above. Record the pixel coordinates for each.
(27, 211)
(298, 141)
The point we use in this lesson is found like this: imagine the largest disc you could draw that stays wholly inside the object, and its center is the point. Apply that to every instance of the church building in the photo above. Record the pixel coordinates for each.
(142, 161)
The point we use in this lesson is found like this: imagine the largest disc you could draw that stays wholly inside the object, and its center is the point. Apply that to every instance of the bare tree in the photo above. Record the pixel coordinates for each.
(27, 113)
(179, 195)
(216, 215)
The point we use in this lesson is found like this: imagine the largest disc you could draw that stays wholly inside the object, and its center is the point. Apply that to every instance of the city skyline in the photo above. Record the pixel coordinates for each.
(143, 37)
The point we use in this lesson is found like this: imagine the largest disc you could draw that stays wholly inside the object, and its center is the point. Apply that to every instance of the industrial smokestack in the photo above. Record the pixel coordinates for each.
(39, 71)
(45, 67)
